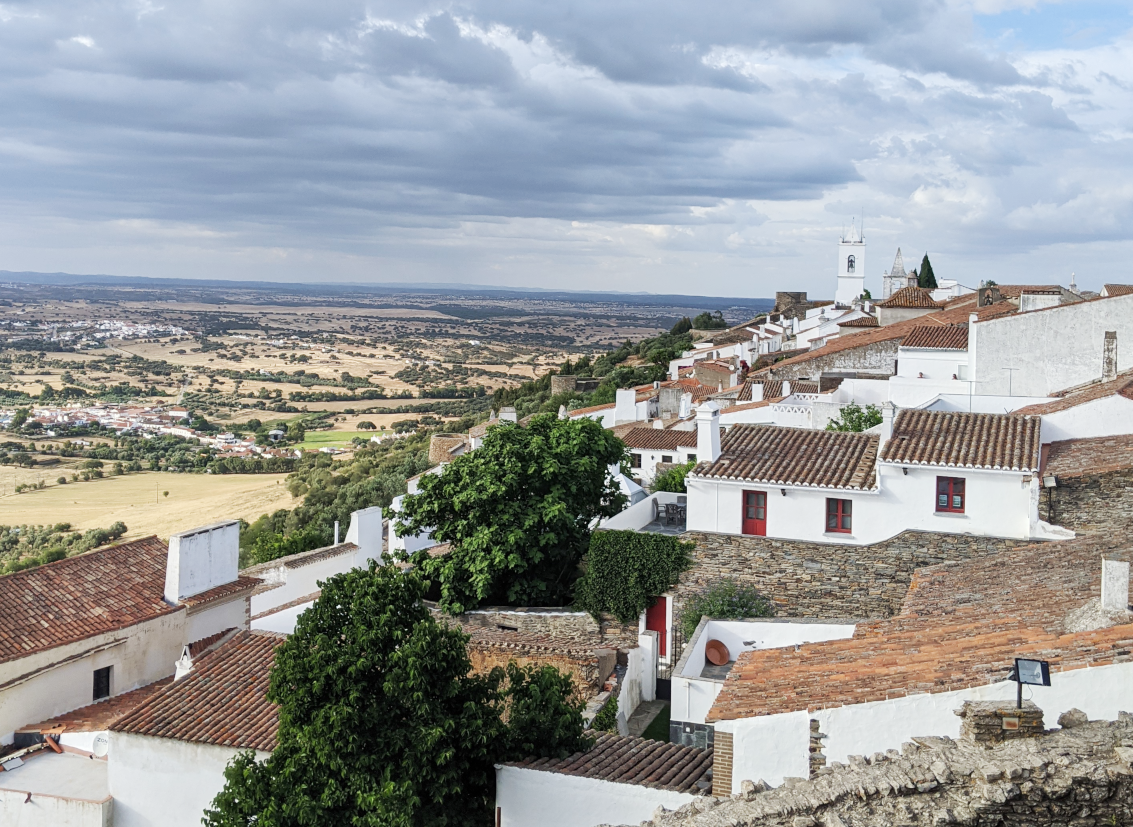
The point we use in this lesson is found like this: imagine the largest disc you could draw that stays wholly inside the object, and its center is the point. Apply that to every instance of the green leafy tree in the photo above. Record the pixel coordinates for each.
(681, 327)
(854, 417)
(726, 600)
(673, 480)
(709, 321)
(381, 722)
(517, 512)
(926, 278)
(19, 418)
(367, 425)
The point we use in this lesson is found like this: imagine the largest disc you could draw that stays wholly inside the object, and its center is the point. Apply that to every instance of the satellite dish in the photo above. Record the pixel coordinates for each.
(101, 746)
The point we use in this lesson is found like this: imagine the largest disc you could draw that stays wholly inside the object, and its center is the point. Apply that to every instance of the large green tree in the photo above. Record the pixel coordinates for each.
(926, 278)
(380, 722)
(517, 512)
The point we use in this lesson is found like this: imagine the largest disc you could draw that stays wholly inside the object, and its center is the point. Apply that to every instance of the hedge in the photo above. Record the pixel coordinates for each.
(626, 570)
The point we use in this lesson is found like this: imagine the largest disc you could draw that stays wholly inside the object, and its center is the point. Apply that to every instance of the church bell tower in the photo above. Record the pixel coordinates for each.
(851, 266)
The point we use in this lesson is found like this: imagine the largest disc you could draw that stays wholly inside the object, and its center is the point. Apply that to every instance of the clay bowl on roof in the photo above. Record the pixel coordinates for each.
(717, 653)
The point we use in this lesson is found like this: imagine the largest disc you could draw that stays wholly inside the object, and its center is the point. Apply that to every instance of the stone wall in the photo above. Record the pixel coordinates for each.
(876, 358)
(1088, 502)
(556, 624)
(487, 650)
(825, 579)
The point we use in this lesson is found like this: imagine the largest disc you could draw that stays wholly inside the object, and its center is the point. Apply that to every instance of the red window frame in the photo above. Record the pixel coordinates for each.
(951, 495)
(839, 515)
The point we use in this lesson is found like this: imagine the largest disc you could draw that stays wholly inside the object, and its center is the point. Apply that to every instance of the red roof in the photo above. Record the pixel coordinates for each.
(1096, 455)
(860, 321)
(639, 761)
(222, 701)
(937, 338)
(659, 439)
(964, 440)
(774, 455)
(1112, 290)
(911, 297)
(1121, 386)
(83, 596)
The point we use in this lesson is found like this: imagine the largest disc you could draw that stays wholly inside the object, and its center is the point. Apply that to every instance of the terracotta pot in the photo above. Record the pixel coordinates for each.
(717, 653)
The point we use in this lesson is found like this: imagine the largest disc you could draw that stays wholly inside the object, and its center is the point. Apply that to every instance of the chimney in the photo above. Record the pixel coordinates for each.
(887, 412)
(336, 532)
(365, 531)
(685, 409)
(757, 392)
(1109, 356)
(508, 415)
(625, 405)
(708, 432)
(1115, 586)
(202, 559)
(183, 666)
(786, 388)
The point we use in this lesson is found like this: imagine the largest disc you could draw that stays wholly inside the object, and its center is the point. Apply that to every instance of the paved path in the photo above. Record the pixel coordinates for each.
(643, 716)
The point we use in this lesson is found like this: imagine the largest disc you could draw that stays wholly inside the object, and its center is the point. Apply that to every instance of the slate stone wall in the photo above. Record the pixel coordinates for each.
(825, 579)
(1090, 502)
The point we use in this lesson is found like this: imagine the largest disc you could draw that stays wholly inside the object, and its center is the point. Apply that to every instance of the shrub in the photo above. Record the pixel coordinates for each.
(607, 718)
(727, 599)
(626, 570)
(855, 418)
(673, 480)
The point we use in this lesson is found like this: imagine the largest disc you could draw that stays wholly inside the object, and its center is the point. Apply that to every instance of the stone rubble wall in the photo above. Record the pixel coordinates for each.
(1079, 776)
(827, 580)
(1090, 502)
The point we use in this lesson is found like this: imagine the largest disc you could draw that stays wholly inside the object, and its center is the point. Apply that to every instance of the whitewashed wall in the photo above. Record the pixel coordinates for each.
(533, 798)
(998, 504)
(934, 363)
(777, 746)
(161, 782)
(693, 696)
(640, 514)
(649, 459)
(145, 654)
(965, 402)
(1108, 416)
(296, 582)
(216, 617)
(52, 811)
(1053, 349)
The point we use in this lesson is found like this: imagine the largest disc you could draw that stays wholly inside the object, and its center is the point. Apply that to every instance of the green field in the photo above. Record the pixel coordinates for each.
(313, 440)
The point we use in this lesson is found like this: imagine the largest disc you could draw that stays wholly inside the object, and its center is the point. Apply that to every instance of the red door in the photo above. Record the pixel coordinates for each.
(656, 620)
(755, 513)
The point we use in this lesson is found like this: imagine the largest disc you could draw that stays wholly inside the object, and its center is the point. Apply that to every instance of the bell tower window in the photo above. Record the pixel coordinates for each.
(850, 264)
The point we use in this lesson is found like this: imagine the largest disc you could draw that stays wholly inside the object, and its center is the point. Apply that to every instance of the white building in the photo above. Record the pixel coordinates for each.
(851, 267)
(650, 446)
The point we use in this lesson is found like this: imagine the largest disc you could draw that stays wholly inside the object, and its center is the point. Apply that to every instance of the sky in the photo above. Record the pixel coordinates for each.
(699, 148)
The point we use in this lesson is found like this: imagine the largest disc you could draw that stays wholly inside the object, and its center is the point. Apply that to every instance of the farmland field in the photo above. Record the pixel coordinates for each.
(138, 501)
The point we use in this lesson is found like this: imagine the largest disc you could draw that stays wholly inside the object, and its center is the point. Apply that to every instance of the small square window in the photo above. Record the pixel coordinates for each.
(950, 494)
(839, 515)
(102, 683)
(635, 460)
(690, 458)
(666, 458)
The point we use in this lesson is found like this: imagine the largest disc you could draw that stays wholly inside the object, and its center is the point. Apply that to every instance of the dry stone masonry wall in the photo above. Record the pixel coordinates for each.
(826, 579)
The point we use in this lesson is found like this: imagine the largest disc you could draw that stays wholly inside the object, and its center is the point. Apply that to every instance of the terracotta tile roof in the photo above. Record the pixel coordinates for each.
(964, 440)
(1121, 386)
(931, 658)
(633, 761)
(1118, 290)
(223, 701)
(659, 439)
(794, 456)
(748, 406)
(1082, 457)
(1014, 291)
(222, 592)
(716, 364)
(911, 297)
(937, 338)
(957, 314)
(591, 409)
(100, 715)
(306, 558)
(861, 321)
(79, 597)
(803, 386)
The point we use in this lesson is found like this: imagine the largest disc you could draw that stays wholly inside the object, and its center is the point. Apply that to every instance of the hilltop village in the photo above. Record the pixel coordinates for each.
(928, 492)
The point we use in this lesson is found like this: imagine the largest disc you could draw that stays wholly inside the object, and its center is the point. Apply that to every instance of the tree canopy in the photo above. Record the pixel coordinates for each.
(854, 417)
(926, 278)
(517, 512)
(709, 321)
(380, 722)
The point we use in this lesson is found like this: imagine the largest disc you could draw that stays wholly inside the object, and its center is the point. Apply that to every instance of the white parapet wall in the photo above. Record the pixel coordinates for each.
(202, 559)
(53, 811)
(535, 798)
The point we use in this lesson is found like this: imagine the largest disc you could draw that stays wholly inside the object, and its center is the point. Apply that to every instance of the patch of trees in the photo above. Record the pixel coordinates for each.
(383, 722)
(27, 546)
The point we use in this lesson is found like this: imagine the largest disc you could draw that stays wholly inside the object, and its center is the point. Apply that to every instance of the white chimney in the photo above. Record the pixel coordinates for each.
(685, 409)
(202, 559)
(887, 413)
(1115, 586)
(183, 666)
(365, 531)
(625, 405)
(508, 415)
(1109, 356)
(708, 432)
(336, 532)
(786, 388)
(757, 392)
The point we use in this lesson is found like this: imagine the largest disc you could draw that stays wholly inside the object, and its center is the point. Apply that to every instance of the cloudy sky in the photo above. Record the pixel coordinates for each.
(703, 148)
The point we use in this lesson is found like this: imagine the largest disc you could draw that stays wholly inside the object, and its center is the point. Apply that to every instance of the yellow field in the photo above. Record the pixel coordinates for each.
(136, 500)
